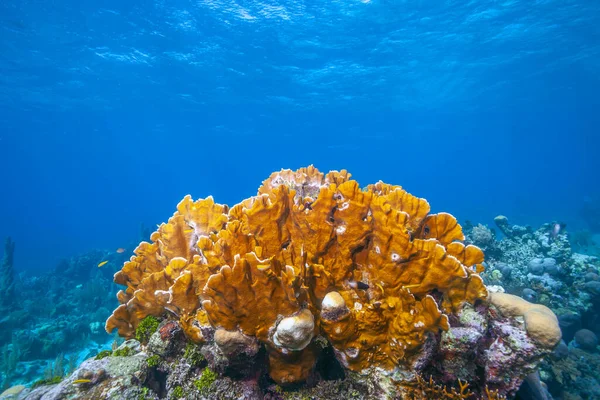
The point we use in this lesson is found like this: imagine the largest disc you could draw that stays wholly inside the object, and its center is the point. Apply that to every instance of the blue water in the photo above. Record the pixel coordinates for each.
(110, 113)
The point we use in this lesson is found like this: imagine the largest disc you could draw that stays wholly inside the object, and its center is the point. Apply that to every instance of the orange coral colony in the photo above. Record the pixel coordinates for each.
(311, 254)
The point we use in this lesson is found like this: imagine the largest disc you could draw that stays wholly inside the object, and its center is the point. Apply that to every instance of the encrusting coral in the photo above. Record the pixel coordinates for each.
(311, 254)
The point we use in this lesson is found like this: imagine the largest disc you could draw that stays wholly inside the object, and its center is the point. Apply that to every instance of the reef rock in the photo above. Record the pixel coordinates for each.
(586, 339)
(478, 339)
(118, 377)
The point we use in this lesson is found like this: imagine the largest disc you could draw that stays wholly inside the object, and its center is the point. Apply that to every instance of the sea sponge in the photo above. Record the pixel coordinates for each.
(310, 254)
(540, 322)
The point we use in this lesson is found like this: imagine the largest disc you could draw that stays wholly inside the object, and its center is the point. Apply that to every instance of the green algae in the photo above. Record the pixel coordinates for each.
(177, 392)
(207, 379)
(144, 395)
(192, 355)
(123, 352)
(103, 354)
(146, 328)
(50, 381)
(153, 361)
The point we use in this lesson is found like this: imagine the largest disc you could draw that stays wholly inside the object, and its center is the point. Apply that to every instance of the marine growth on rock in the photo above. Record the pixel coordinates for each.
(312, 254)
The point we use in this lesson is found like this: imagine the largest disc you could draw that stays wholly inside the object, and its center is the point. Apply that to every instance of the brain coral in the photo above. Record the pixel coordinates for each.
(369, 269)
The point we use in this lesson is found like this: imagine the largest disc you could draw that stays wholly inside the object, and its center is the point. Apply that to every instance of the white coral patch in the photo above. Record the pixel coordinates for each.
(333, 301)
(296, 332)
(162, 294)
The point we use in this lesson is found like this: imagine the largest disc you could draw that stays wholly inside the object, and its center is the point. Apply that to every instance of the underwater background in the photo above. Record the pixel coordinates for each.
(111, 112)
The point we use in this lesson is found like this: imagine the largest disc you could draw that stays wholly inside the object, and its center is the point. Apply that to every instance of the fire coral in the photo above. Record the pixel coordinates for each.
(311, 254)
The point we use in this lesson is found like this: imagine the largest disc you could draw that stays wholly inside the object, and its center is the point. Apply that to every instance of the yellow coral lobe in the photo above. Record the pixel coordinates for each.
(183, 297)
(123, 297)
(396, 198)
(191, 329)
(467, 255)
(175, 267)
(202, 318)
(443, 227)
(203, 215)
(122, 320)
(255, 266)
(232, 292)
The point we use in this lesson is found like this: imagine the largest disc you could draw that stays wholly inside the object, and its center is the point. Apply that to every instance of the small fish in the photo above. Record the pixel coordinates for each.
(556, 229)
(102, 263)
(77, 381)
(79, 286)
(188, 231)
(426, 230)
(358, 285)
(120, 250)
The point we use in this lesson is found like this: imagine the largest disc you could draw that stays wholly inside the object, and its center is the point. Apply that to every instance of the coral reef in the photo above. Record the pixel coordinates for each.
(484, 238)
(267, 266)
(77, 296)
(481, 355)
(540, 266)
(315, 288)
(358, 292)
(573, 375)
